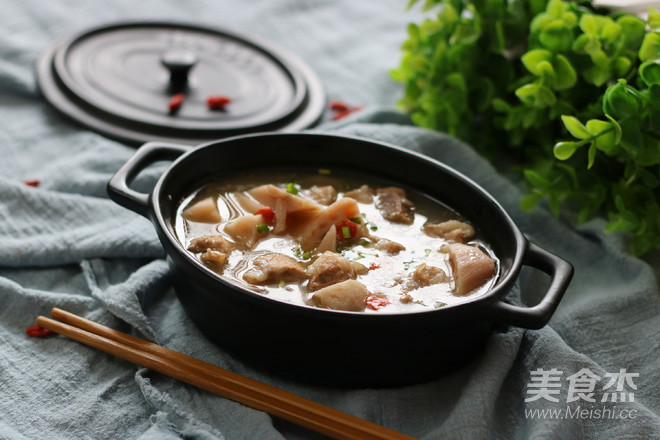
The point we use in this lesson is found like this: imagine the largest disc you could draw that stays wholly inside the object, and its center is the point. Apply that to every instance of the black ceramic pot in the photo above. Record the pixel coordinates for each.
(326, 346)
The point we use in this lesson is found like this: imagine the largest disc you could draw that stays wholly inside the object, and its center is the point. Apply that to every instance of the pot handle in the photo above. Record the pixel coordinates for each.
(118, 188)
(560, 271)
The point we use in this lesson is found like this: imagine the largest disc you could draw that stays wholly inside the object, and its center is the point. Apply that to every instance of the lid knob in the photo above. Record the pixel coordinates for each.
(179, 63)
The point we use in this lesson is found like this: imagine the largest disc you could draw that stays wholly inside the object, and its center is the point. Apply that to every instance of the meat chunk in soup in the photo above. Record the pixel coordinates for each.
(364, 194)
(274, 268)
(394, 206)
(453, 230)
(214, 242)
(471, 267)
(325, 195)
(214, 259)
(427, 275)
(349, 295)
(214, 249)
(389, 246)
(204, 211)
(331, 268)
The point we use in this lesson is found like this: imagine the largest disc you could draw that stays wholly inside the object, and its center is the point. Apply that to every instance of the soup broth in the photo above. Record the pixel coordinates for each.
(336, 241)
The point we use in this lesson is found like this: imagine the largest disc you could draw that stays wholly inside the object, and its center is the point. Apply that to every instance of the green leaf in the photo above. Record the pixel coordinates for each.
(610, 32)
(575, 127)
(591, 155)
(564, 150)
(556, 8)
(536, 179)
(654, 20)
(533, 58)
(536, 96)
(649, 71)
(588, 24)
(632, 139)
(581, 42)
(565, 76)
(556, 36)
(621, 101)
(605, 136)
(569, 19)
(501, 105)
(650, 48)
(622, 66)
(633, 30)
(617, 129)
(596, 76)
(529, 202)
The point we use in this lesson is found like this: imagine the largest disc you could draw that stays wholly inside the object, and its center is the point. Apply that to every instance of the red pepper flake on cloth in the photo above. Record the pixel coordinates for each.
(341, 109)
(218, 102)
(34, 182)
(176, 101)
(374, 266)
(376, 302)
(37, 331)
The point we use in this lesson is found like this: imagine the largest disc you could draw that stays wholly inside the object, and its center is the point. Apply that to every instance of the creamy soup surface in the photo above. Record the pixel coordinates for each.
(336, 241)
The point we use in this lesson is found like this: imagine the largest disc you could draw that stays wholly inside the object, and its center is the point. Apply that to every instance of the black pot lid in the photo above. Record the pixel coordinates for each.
(119, 80)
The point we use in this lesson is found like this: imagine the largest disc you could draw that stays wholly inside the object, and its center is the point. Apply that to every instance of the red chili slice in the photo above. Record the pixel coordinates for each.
(218, 102)
(376, 302)
(37, 331)
(267, 213)
(346, 230)
(34, 182)
(176, 101)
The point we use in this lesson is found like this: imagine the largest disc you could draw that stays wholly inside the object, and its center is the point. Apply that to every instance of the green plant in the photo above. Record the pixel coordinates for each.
(567, 95)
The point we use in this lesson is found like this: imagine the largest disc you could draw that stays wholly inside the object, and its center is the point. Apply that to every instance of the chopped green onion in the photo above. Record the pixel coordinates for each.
(364, 242)
(427, 252)
(306, 255)
(291, 188)
(357, 220)
(439, 304)
(324, 171)
(282, 283)
(346, 232)
(262, 229)
(373, 226)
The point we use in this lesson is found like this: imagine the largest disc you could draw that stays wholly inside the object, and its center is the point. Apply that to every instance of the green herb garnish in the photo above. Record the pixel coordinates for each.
(299, 254)
(570, 91)
(262, 229)
(363, 242)
(346, 232)
(292, 188)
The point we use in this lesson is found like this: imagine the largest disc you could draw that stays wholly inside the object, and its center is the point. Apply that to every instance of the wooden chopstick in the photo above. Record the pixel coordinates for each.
(250, 392)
